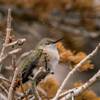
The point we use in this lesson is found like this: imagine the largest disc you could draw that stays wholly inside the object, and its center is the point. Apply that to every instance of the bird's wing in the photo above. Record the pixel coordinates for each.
(28, 64)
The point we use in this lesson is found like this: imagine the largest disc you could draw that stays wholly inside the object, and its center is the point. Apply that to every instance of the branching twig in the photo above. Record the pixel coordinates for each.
(17, 42)
(74, 70)
(17, 70)
(3, 56)
(77, 91)
(6, 43)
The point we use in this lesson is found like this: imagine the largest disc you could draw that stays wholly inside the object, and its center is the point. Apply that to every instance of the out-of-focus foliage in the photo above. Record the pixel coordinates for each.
(50, 86)
(42, 7)
(67, 56)
(50, 3)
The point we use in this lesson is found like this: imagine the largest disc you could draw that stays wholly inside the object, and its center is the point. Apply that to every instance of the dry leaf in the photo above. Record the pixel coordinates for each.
(67, 56)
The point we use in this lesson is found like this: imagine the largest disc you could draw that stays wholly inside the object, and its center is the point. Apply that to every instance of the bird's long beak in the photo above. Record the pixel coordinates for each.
(57, 41)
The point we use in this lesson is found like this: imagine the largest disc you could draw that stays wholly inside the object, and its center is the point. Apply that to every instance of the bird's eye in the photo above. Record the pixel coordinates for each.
(48, 42)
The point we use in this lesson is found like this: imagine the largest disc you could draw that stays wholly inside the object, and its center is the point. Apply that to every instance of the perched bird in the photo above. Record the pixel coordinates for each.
(37, 58)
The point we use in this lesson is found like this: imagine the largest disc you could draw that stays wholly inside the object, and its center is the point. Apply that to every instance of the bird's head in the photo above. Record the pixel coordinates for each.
(47, 42)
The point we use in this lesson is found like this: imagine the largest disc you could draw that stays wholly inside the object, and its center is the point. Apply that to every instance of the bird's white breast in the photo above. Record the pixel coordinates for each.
(53, 54)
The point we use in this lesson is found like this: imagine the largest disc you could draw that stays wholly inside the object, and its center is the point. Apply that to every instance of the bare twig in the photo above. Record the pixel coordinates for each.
(42, 91)
(10, 94)
(3, 56)
(8, 31)
(4, 79)
(34, 89)
(63, 94)
(77, 91)
(6, 43)
(18, 42)
(10, 53)
(4, 89)
(74, 70)
(11, 89)
(17, 70)
(36, 94)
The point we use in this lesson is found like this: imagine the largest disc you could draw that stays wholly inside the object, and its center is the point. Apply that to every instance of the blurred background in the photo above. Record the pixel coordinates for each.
(78, 21)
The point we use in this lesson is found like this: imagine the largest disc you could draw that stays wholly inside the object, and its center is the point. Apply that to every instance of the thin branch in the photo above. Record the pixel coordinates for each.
(10, 53)
(10, 94)
(11, 89)
(34, 89)
(4, 89)
(77, 91)
(66, 92)
(18, 42)
(74, 70)
(42, 91)
(17, 70)
(4, 79)
(3, 56)
(34, 82)
(8, 31)
(36, 94)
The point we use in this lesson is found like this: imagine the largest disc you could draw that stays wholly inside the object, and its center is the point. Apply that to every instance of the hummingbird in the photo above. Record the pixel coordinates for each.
(37, 58)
